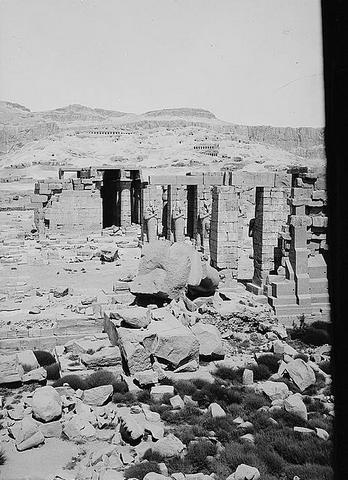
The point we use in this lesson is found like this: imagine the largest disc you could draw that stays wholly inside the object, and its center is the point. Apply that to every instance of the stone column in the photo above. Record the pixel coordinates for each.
(299, 253)
(151, 220)
(270, 211)
(223, 240)
(178, 216)
(125, 197)
(204, 224)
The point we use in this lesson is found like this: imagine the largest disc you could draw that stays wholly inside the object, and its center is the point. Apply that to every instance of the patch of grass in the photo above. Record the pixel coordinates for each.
(300, 449)
(127, 398)
(185, 387)
(274, 462)
(74, 381)
(152, 456)
(198, 452)
(288, 419)
(320, 421)
(139, 470)
(311, 336)
(144, 397)
(224, 427)
(199, 383)
(44, 358)
(227, 373)
(189, 415)
(302, 356)
(104, 377)
(236, 453)
(319, 384)
(325, 367)
(52, 371)
(270, 360)
(309, 472)
(252, 401)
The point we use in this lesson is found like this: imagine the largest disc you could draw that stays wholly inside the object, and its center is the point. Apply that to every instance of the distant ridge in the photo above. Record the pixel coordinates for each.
(181, 112)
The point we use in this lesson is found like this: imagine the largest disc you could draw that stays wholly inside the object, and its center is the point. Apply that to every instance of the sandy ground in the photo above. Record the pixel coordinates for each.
(41, 462)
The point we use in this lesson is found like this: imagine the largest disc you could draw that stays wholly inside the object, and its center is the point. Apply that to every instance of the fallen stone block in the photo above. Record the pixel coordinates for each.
(210, 340)
(37, 375)
(294, 404)
(300, 373)
(105, 357)
(10, 369)
(169, 446)
(134, 317)
(275, 390)
(28, 360)
(98, 395)
(26, 434)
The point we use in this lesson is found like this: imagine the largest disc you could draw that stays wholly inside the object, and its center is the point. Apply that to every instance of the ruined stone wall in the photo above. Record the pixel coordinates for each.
(72, 205)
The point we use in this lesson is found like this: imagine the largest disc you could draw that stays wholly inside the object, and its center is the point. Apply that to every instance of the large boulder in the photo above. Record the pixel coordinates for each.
(166, 270)
(169, 446)
(300, 373)
(210, 340)
(294, 404)
(175, 345)
(46, 404)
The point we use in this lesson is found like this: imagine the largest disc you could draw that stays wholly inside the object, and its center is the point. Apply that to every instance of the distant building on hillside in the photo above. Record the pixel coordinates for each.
(207, 149)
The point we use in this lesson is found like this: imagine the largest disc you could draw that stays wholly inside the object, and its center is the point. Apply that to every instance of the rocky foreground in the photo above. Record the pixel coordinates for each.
(186, 376)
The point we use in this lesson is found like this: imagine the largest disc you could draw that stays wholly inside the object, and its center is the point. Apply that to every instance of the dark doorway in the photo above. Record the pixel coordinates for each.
(192, 212)
(111, 198)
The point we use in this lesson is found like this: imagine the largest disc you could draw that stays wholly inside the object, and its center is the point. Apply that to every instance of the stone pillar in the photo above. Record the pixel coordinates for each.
(178, 216)
(204, 224)
(299, 253)
(270, 211)
(125, 198)
(151, 221)
(223, 240)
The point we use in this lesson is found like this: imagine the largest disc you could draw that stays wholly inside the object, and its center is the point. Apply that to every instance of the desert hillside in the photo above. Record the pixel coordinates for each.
(34, 144)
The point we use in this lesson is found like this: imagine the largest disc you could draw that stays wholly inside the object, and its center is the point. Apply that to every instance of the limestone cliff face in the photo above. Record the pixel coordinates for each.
(18, 125)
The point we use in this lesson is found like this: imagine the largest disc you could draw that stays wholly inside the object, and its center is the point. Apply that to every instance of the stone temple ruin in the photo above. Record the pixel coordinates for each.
(288, 229)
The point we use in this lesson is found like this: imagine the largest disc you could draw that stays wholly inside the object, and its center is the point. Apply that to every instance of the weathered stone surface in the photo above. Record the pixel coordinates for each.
(26, 434)
(131, 429)
(16, 413)
(77, 427)
(248, 377)
(37, 375)
(159, 391)
(300, 373)
(177, 402)
(166, 270)
(169, 446)
(323, 434)
(105, 357)
(135, 356)
(28, 360)
(245, 472)
(275, 390)
(46, 404)
(98, 395)
(135, 317)
(51, 429)
(216, 411)
(10, 369)
(147, 377)
(210, 340)
(155, 476)
(176, 345)
(294, 404)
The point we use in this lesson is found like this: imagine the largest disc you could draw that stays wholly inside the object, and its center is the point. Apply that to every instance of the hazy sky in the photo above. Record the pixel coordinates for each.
(248, 61)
